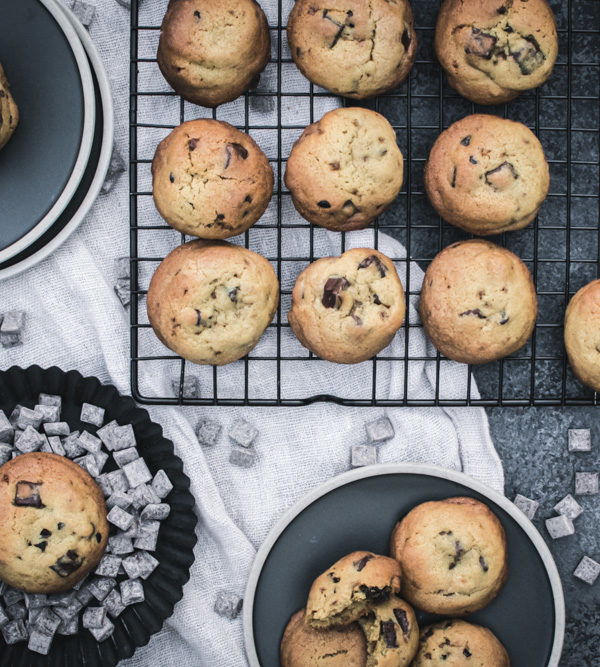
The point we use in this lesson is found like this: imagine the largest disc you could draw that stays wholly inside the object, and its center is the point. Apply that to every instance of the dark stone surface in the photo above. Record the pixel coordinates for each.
(532, 443)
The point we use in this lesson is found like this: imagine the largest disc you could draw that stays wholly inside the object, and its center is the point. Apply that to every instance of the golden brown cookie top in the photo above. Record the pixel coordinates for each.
(9, 112)
(582, 334)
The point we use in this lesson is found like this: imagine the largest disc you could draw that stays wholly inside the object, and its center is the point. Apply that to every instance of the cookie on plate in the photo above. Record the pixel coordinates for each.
(345, 170)
(52, 521)
(210, 180)
(494, 50)
(350, 588)
(391, 632)
(353, 48)
(453, 556)
(478, 302)
(487, 175)
(347, 309)
(210, 52)
(303, 646)
(210, 301)
(582, 334)
(9, 112)
(457, 643)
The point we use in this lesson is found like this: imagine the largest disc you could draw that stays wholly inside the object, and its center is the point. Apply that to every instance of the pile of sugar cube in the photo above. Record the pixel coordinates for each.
(135, 504)
(568, 509)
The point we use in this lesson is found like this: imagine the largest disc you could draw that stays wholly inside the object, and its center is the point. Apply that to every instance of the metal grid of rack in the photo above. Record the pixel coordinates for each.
(562, 247)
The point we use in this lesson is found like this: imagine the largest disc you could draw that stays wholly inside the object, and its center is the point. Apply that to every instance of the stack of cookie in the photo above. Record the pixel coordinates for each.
(448, 557)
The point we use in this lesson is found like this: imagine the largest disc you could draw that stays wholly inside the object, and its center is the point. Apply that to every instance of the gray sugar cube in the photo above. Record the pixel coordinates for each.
(588, 570)
(60, 429)
(379, 430)
(118, 481)
(123, 291)
(4, 588)
(120, 518)
(141, 565)
(14, 632)
(134, 530)
(45, 447)
(109, 566)
(61, 599)
(50, 399)
(6, 428)
(363, 455)
(79, 584)
(28, 417)
(14, 415)
(71, 445)
(39, 642)
(115, 169)
(228, 604)
(208, 432)
(16, 610)
(143, 495)
(242, 456)
(29, 441)
(11, 329)
(560, 526)
(132, 591)
(100, 587)
(191, 386)
(122, 267)
(89, 463)
(101, 459)
(161, 484)
(580, 440)
(125, 456)
(36, 600)
(104, 483)
(72, 609)
(92, 414)
(586, 483)
(113, 603)
(146, 541)
(100, 634)
(69, 627)
(50, 413)
(526, 505)
(93, 617)
(155, 512)
(84, 594)
(12, 595)
(85, 13)
(120, 545)
(118, 499)
(47, 621)
(569, 507)
(121, 437)
(5, 453)
(242, 433)
(104, 432)
(90, 442)
(3, 617)
(137, 472)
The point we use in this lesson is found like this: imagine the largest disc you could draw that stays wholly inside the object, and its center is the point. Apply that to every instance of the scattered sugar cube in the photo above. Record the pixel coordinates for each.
(560, 526)
(85, 13)
(14, 632)
(72, 446)
(120, 437)
(228, 605)
(72, 609)
(89, 463)
(39, 642)
(11, 329)
(84, 594)
(134, 530)
(125, 456)
(208, 432)
(29, 441)
(50, 399)
(120, 518)
(155, 512)
(123, 291)
(363, 455)
(140, 565)
(580, 440)
(526, 505)
(120, 545)
(14, 415)
(109, 566)
(47, 621)
(12, 595)
(60, 429)
(104, 432)
(587, 570)
(242, 457)
(191, 386)
(143, 495)
(122, 267)
(586, 483)
(28, 417)
(162, 484)
(137, 472)
(90, 442)
(101, 458)
(118, 499)
(100, 634)
(113, 603)
(36, 600)
(16, 610)
(132, 592)
(50, 413)
(117, 481)
(69, 627)
(379, 430)
(93, 617)
(100, 587)
(115, 168)
(568, 506)
(6, 428)
(92, 414)
(60, 599)
(242, 433)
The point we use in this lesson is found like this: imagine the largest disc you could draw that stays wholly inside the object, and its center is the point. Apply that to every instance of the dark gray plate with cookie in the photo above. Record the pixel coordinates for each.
(358, 510)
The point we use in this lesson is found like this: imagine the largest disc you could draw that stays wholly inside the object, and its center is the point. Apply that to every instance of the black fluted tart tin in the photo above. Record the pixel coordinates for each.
(176, 539)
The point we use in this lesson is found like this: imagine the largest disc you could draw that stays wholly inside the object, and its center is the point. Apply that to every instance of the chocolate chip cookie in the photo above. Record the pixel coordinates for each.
(210, 180)
(347, 309)
(582, 334)
(457, 643)
(453, 556)
(392, 633)
(350, 588)
(212, 51)
(345, 170)
(9, 112)
(353, 48)
(210, 301)
(303, 646)
(478, 302)
(52, 521)
(487, 175)
(494, 50)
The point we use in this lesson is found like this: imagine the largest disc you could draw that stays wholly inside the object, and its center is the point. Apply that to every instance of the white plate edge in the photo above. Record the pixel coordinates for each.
(405, 468)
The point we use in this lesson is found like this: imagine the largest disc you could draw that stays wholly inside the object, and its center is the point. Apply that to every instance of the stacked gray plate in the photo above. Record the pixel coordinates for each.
(54, 165)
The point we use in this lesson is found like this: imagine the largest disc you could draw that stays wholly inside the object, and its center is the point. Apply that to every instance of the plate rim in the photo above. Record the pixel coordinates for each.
(103, 162)
(87, 136)
(402, 469)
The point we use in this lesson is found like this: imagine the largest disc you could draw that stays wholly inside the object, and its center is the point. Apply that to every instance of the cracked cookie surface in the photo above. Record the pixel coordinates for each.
(582, 334)
(347, 309)
(457, 643)
(487, 175)
(52, 521)
(478, 302)
(453, 556)
(303, 646)
(345, 170)
(492, 51)
(391, 632)
(210, 301)
(210, 180)
(9, 112)
(212, 51)
(350, 588)
(354, 48)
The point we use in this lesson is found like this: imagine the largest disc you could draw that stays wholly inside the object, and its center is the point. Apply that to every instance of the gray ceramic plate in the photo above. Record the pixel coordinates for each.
(43, 163)
(358, 510)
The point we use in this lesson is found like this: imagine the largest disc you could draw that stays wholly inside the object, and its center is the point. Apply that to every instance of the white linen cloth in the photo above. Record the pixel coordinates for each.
(74, 320)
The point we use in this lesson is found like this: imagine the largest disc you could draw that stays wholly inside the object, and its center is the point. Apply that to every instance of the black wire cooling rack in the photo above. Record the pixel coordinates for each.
(562, 247)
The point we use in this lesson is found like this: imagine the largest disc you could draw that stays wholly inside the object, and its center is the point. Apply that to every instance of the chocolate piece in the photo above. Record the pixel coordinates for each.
(480, 43)
(387, 630)
(323, 204)
(405, 39)
(375, 593)
(331, 292)
(192, 143)
(484, 565)
(465, 141)
(373, 259)
(27, 494)
(359, 565)
(500, 176)
(473, 311)
(238, 150)
(67, 564)
(472, 160)
(403, 622)
(529, 56)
